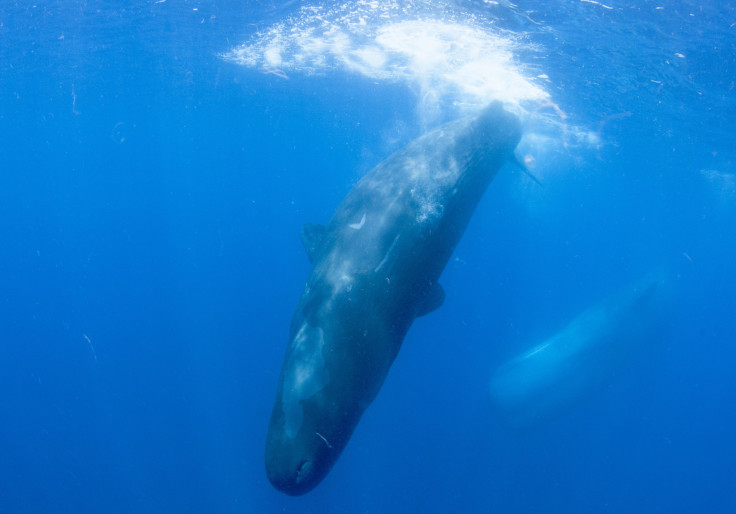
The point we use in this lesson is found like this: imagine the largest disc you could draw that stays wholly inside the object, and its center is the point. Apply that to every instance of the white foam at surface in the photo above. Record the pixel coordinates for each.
(453, 61)
(450, 58)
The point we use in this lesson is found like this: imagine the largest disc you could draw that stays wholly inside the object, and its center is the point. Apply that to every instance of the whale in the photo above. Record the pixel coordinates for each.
(374, 269)
(561, 372)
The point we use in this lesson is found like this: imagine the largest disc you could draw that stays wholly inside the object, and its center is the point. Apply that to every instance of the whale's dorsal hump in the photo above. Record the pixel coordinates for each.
(312, 238)
(432, 300)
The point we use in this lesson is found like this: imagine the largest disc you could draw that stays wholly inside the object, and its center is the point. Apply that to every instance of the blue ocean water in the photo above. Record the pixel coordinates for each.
(159, 159)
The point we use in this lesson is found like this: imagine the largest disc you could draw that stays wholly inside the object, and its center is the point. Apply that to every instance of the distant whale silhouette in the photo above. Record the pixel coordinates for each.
(576, 362)
(375, 268)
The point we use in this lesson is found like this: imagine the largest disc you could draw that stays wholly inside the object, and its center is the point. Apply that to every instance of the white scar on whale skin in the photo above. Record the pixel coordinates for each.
(358, 226)
(324, 439)
(385, 257)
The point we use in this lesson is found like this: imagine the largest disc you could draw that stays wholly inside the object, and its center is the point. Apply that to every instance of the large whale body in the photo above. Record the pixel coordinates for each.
(570, 366)
(374, 269)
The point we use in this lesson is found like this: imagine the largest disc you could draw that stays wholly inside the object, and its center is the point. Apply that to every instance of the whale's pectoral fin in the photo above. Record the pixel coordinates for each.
(432, 300)
(312, 238)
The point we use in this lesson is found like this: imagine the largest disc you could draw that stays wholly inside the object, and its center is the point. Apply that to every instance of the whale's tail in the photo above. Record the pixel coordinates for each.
(524, 169)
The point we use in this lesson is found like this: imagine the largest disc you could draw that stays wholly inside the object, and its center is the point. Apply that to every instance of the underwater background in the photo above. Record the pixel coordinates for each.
(157, 161)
